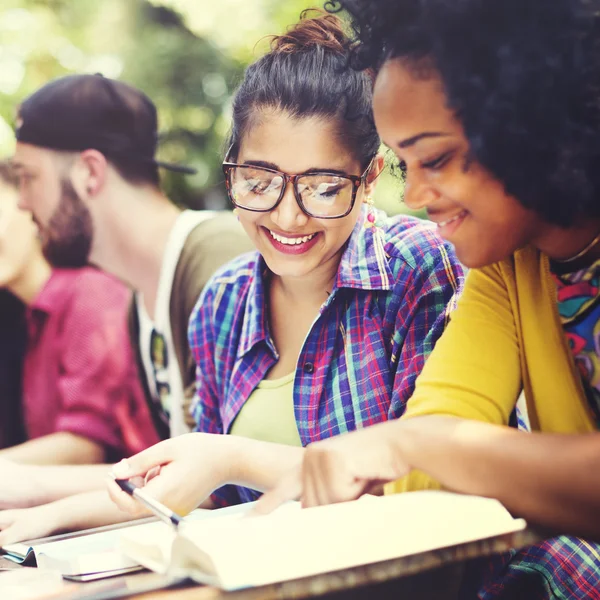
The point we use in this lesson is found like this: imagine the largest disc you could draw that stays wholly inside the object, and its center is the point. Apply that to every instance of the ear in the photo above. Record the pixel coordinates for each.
(377, 166)
(88, 173)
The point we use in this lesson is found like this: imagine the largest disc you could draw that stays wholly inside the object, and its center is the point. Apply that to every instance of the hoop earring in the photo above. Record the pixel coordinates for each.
(236, 212)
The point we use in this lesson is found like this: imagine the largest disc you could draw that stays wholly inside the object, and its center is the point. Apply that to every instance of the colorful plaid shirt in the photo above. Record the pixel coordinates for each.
(390, 301)
(561, 568)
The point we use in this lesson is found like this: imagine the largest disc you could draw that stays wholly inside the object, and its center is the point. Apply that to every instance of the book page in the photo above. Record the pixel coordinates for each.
(151, 546)
(93, 553)
(298, 543)
(25, 552)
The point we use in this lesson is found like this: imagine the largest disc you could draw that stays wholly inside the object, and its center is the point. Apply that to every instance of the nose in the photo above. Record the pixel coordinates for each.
(418, 192)
(22, 201)
(287, 214)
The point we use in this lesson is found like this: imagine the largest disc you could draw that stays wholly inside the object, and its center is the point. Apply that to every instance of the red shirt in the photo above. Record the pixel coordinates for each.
(80, 374)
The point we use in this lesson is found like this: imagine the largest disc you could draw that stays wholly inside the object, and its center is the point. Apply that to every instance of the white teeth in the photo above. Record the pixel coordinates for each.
(292, 241)
(442, 223)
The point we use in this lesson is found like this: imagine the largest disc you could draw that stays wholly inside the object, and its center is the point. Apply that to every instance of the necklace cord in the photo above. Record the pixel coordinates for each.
(581, 253)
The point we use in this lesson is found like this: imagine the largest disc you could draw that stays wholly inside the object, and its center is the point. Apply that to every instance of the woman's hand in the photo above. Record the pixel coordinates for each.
(19, 488)
(22, 524)
(180, 472)
(340, 469)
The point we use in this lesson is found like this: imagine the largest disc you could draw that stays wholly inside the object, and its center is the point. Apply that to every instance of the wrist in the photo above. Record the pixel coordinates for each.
(38, 489)
(65, 514)
(230, 452)
(406, 442)
(58, 520)
(427, 438)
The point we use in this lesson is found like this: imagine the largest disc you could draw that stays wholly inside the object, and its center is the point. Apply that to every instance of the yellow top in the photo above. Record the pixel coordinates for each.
(268, 414)
(505, 335)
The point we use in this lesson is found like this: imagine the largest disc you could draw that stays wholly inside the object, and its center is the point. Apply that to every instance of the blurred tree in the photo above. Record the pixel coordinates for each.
(187, 55)
(149, 46)
(190, 81)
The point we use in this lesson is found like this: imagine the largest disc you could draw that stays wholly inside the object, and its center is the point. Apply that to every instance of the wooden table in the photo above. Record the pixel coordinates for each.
(441, 583)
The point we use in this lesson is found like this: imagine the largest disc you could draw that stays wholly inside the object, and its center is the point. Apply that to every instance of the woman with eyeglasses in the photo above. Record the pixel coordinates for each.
(324, 329)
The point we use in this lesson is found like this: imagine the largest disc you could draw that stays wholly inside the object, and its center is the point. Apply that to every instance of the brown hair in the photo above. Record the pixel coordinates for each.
(307, 74)
(315, 28)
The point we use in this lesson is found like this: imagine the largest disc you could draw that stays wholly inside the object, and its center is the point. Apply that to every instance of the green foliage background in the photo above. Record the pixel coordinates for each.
(187, 55)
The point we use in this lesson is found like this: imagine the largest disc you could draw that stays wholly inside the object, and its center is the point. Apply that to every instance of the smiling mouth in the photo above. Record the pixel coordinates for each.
(291, 241)
(454, 218)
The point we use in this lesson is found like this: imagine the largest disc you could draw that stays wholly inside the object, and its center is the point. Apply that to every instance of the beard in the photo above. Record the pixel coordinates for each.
(67, 239)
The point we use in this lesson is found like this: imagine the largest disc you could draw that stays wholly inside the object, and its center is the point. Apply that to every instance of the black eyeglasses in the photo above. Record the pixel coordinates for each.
(321, 194)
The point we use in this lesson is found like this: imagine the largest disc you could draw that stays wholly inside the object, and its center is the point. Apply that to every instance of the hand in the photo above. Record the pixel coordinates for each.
(18, 488)
(180, 472)
(340, 469)
(27, 523)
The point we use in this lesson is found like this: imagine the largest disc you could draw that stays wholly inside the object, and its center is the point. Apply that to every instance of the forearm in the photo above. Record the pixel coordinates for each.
(56, 449)
(547, 479)
(83, 511)
(53, 482)
(260, 465)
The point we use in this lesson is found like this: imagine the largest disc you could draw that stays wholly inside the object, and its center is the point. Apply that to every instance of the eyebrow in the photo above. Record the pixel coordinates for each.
(417, 138)
(18, 167)
(268, 165)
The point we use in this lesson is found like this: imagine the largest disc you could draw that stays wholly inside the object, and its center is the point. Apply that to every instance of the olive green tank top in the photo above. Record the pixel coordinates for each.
(268, 414)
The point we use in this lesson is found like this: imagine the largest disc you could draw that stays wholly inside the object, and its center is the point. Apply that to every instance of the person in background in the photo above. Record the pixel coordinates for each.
(85, 157)
(494, 110)
(325, 327)
(81, 400)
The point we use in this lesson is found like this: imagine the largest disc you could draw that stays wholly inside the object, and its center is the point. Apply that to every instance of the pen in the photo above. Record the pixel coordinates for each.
(159, 509)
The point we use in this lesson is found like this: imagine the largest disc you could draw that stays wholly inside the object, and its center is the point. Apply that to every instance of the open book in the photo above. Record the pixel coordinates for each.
(94, 553)
(83, 555)
(239, 552)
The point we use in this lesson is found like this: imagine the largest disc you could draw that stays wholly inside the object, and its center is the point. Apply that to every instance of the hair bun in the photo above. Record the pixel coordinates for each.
(324, 31)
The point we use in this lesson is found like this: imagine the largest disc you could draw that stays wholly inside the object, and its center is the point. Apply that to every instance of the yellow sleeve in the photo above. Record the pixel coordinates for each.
(474, 370)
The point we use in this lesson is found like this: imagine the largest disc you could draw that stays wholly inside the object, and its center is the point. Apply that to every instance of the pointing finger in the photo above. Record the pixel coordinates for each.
(289, 488)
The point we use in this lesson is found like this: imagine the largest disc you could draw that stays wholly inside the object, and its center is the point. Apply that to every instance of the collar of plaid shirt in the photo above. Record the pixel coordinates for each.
(363, 266)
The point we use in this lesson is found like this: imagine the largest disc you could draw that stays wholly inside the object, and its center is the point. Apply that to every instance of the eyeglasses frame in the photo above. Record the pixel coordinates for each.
(357, 181)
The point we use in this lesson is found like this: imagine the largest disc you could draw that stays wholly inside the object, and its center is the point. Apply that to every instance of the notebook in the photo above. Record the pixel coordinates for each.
(94, 553)
(83, 555)
(239, 552)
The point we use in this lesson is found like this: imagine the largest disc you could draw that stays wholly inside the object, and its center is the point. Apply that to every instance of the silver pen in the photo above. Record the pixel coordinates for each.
(160, 510)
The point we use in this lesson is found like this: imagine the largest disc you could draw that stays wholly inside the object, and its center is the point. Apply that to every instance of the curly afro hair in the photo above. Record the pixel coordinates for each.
(523, 78)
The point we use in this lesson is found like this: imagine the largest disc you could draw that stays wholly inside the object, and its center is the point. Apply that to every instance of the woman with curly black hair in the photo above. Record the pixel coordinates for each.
(493, 109)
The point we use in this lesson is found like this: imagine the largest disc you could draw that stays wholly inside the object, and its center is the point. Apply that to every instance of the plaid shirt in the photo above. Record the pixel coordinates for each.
(358, 365)
(564, 567)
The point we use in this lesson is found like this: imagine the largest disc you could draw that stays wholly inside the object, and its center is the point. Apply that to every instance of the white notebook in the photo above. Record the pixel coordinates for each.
(94, 553)
(88, 554)
(239, 552)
